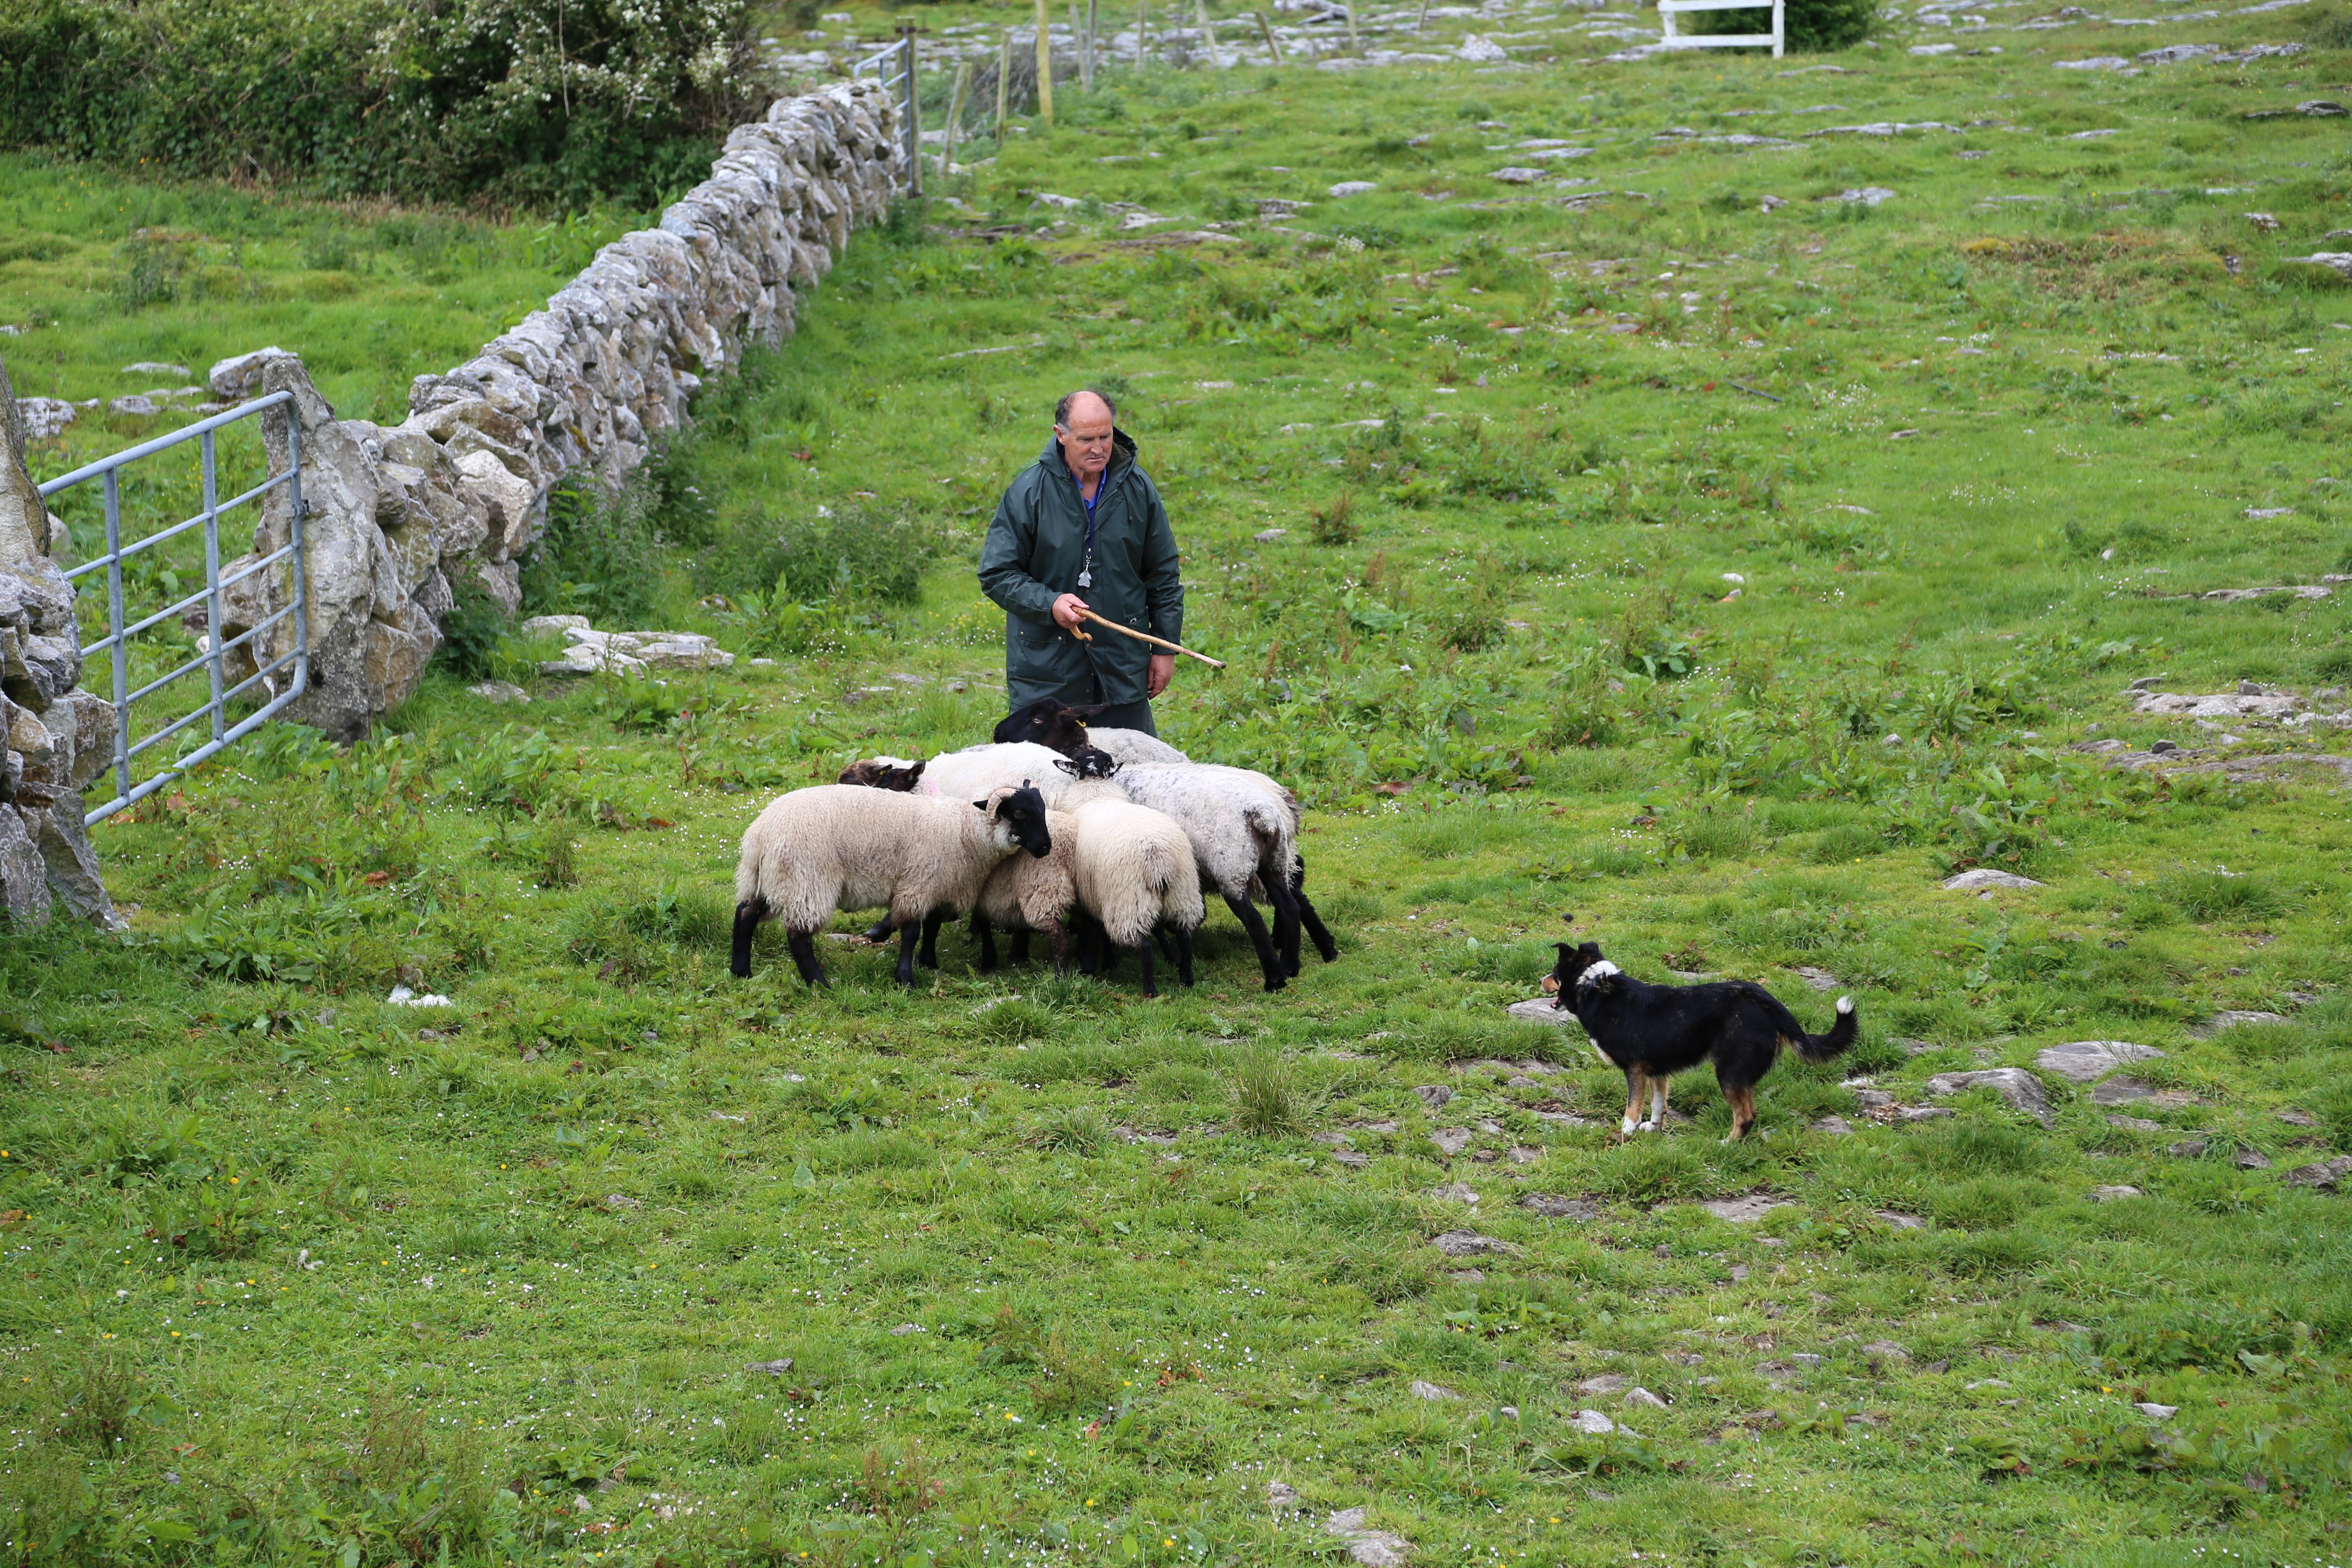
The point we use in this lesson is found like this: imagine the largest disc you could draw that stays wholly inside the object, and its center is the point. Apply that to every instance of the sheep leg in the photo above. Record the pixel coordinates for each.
(1021, 946)
(748, 916)
(1315, 929)
(985, 939)
(928, 954)
(1167, 944)
(1143, 956)
(1185, 955)
(908, 935)
(1268, 959)
(1060, 936)
(804, 946)
(1285, 924)
(879, 932)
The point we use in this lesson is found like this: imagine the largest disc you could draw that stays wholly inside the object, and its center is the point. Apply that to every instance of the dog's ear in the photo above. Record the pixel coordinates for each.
(1563, 948)
(1590, 953)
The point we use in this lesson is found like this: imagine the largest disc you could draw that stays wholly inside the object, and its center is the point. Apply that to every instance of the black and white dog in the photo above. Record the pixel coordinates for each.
(1652, 1032)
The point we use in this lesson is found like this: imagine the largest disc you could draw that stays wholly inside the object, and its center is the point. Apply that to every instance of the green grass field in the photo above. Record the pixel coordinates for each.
(1063, 1273)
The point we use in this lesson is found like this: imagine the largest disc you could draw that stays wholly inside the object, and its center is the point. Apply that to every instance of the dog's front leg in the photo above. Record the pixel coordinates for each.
(1657, 1122)
(1635, 1078)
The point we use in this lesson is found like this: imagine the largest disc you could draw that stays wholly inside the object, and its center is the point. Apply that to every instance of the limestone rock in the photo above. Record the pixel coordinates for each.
(46, 417)
(1744, 1211)
(1421, 1390)
(1470, 1244)
(1594, 1424)
(2087, 1061)
(1985, 877)
(2114, 1193)
(2015, 1085)
(1353, 188)
(2325, 1177)
(24, 877)
(238, 378)
(1367, 1547)
(1554, 1207)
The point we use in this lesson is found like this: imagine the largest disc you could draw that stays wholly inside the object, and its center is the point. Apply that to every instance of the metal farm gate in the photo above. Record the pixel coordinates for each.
(214, 655)
(894, 67)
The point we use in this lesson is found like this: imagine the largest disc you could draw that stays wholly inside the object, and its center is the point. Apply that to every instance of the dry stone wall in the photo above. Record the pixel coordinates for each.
(395, 515)
(54, 736)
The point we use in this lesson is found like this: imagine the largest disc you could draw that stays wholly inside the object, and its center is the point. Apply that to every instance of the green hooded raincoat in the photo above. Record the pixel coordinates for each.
(1036, 548)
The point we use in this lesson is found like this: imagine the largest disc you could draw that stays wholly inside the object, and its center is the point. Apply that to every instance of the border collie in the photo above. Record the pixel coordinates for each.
(1652, 1032)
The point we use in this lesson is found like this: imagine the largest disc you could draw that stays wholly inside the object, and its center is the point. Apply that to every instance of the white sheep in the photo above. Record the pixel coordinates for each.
(1135, 871)
(1134, 746)
(1243, 830)
(839, 846)
(966, 774)
(1028, 893)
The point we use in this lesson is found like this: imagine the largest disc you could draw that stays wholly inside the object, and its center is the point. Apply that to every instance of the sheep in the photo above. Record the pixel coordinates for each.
(1050, 722)
(840, 846)
(1028, 893)
(966, 774)
(1134, 870)
(954, 775)
(885, 773)
(1243, 829)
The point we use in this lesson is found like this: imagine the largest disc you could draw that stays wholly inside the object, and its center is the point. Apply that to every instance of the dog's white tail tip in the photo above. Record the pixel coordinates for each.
(1845, 1005)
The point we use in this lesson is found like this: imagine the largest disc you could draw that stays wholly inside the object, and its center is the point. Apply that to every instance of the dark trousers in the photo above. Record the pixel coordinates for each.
(1120, 716)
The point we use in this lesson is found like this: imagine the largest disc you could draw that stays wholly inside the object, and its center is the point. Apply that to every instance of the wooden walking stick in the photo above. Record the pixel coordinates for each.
(1144, 636)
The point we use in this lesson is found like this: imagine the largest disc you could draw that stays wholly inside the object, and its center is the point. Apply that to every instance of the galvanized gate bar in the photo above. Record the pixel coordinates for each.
(894, 67)
(214, 659)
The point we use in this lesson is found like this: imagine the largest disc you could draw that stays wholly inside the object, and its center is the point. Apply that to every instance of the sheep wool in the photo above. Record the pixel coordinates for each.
(1243, 830)
(970, 773)
(842, 847)
(1134, 746)
(1028, 893)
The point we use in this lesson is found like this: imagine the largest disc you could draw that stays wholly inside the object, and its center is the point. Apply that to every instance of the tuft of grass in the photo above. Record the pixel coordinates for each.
(2224, 896)
(1269, 1099)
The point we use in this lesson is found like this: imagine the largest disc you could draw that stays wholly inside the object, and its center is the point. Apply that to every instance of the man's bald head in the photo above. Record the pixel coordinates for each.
(1082, 426)
(1086, 403)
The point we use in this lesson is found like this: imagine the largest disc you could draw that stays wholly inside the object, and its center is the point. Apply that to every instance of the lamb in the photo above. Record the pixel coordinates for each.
(885, 773)
(1134, 870)
(840, 846)
(1050, 722)
(1025, 894)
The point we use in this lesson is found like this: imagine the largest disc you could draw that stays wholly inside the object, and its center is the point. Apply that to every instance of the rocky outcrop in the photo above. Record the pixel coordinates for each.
(397, 516)
(54, 737)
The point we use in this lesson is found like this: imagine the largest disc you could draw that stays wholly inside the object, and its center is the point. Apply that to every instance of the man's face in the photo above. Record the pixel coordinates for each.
(1086, 439)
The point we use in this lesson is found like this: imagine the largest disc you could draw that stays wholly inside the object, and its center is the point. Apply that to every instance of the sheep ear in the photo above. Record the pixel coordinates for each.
(979, 806)
(1067, 766)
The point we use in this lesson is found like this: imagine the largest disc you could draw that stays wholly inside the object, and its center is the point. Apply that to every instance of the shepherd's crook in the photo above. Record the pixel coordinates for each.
(1144, 636)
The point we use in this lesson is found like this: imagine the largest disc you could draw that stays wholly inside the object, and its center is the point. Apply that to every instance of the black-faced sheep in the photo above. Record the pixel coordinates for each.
(838, 846)
(1054, 723)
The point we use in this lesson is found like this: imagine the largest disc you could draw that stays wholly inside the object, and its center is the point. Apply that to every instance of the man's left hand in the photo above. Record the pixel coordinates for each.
(1164, 670)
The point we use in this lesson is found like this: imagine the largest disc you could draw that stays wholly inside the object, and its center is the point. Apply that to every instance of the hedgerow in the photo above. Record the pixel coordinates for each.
(541, 103)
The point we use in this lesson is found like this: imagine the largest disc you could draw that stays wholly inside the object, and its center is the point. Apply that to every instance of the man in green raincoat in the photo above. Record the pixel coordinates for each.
(1083, 528)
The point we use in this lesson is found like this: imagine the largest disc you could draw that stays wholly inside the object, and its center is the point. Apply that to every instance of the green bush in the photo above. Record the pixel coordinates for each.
(539, 103)
(1815, 27)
